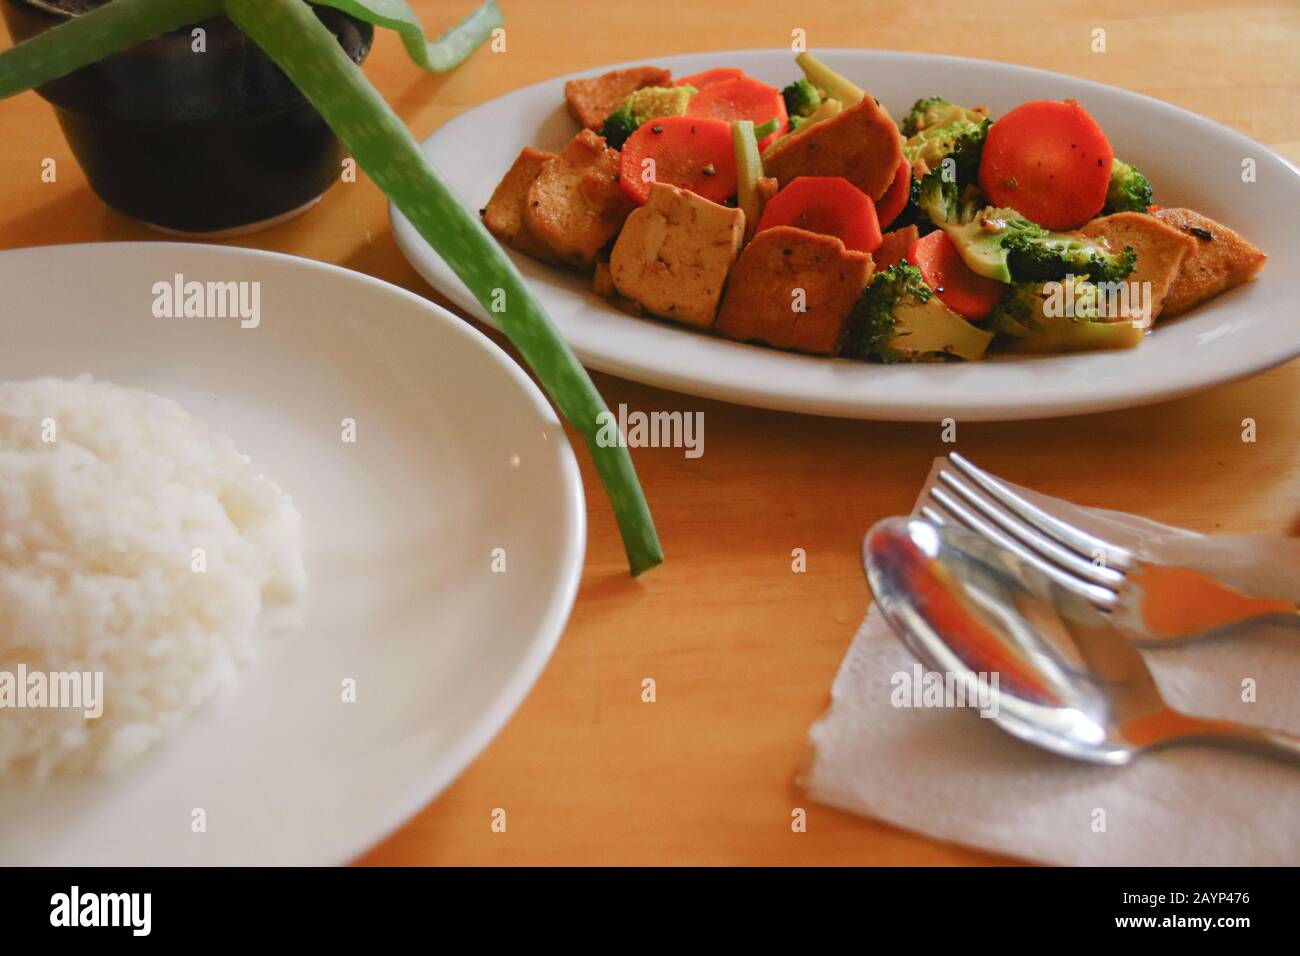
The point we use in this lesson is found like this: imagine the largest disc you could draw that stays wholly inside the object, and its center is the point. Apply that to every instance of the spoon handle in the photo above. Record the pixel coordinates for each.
(1226, 733)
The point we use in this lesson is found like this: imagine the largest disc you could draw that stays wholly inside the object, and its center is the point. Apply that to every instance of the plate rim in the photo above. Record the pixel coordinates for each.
(426, 262)
(404, 803)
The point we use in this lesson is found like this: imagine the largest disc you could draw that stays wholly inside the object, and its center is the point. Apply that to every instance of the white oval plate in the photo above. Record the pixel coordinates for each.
(1190, 161)
(456, 453)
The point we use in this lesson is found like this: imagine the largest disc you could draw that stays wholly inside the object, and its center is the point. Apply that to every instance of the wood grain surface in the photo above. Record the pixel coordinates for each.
(743, 651)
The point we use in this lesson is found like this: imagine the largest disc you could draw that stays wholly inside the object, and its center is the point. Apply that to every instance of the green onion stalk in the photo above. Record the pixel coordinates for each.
(289, 32)
(92, 36)
(443, 54)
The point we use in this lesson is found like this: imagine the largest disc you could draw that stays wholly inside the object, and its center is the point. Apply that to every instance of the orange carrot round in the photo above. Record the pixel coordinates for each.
(691, 152)
(709, 77)
(892, 202)
(965, 292)
(830, 205)
(1048, 160)
(742, 98)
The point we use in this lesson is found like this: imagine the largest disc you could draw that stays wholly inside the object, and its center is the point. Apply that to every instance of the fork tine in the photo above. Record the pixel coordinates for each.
(1100, 596)
(934, 515)
(1077, 539)
(1031, 536)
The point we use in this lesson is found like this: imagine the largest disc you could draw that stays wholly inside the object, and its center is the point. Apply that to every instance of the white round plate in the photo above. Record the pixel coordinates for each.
(1190, 161)
(456, 453)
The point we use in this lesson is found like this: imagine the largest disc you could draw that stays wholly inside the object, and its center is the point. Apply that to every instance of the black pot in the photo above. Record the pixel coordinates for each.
(194, 142)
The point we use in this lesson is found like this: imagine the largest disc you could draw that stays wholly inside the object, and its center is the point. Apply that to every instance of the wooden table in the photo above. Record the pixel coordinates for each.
(743, 650)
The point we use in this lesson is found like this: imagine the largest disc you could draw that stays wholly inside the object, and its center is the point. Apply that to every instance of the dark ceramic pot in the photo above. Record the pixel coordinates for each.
(207, 142)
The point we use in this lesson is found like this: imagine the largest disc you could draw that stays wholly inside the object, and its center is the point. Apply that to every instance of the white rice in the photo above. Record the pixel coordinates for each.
(99, 569)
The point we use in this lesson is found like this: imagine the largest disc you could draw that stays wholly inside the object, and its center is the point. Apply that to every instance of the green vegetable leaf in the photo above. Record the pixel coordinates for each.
(291, 35)
(438, 56)
(87, 39)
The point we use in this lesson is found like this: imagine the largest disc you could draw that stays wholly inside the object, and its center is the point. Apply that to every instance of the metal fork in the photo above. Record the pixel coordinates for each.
(1153, 604)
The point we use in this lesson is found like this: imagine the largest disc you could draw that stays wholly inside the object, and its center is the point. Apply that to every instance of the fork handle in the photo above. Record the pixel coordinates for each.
(1226, 733)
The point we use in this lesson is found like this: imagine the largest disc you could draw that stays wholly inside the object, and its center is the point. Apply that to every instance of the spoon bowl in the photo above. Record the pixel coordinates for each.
(1063, 676)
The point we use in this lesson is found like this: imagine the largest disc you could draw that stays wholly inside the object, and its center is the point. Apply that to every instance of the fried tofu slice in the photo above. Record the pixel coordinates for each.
(894, 247)
(504, 213)
(1221, 260)
(574, 207)
(674, 254)
(592, 99)
(862, 144)
(1160, 249)
(793, 289)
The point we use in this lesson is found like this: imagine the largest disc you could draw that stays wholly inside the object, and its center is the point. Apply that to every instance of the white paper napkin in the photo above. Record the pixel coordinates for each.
(953, 775)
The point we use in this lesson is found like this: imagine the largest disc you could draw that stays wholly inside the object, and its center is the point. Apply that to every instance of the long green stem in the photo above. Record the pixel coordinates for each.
(89, 38)
(438, 56)
(294, 38)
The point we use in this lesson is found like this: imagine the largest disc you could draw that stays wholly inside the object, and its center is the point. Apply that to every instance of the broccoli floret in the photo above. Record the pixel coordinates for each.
(1037, 254)
(1003, 245)
(1058, 317)
(619, 125)
(1016, 313)
(960, 139)
(962, 142)
(647, 103)
(872, 323)
(950, 187)
(898, 319)
(934, 111)
(801, 98)
(1129, 190)
(916, 117)
(948, 202)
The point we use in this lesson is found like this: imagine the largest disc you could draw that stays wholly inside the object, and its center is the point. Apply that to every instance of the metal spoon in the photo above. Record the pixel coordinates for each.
(1066, 679)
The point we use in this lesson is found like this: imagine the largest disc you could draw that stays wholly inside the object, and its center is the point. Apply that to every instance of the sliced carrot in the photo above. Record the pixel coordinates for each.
(742, 98)
(692, 152)
(1048, 160)
(965, 292)
(892, 202)
(709, 77)
(830, 205)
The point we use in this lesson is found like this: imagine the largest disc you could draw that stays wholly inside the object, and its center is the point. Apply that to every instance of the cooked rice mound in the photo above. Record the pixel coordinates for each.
(101, 568)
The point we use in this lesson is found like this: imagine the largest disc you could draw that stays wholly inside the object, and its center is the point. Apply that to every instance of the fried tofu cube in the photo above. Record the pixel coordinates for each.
(592, 99)
(1160, 249)
(793, 289)
(1221, 260)
(862, 144)
(575, 206)
(504, 213)
(674, 254)
(602, 282)
(893, 247)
